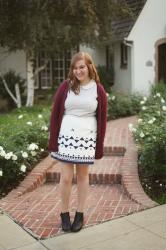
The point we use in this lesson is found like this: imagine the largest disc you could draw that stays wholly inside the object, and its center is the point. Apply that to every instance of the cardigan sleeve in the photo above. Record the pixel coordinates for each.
(101, 122)
(103, 113)
(55, 118)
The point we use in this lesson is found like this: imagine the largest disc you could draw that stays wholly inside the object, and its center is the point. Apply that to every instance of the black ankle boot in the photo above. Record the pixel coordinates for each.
(78, 222)
(66, 224)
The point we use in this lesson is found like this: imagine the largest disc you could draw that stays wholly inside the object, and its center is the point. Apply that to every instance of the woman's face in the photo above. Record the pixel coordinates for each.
(81, 71)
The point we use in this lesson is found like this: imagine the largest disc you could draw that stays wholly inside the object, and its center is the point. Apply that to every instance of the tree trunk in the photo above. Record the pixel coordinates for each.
(31, 76)
(18, 96)
(7, 89)
(30, 80)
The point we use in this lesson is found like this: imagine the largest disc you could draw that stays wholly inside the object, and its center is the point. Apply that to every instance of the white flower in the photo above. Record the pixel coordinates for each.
(151, 121)
(1, 172)
(162, 100)
(130, 126)
(144, 108)
(142, 134)
(8, 155)
(42, 149)
(113, 98)
(161, 184)
(158, 94)
(24, 154)
(20, 116)
(2, 153)
(1, 148)
(32, 146)
(40, 116)
(45, 128)
(142, 102)
(140, 120)
(23, 168)
(145, 98)
(164, 108)
(14, 157)
(33, 153)
(29, 123)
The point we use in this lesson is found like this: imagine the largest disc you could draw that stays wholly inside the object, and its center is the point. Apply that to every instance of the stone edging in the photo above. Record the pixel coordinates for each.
(130, 179)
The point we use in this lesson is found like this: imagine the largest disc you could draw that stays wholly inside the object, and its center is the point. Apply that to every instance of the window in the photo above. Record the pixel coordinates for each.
(123, 55)
(55, 71)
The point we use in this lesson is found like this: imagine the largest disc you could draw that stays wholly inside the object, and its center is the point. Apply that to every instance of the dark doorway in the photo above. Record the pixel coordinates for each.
(162, 62)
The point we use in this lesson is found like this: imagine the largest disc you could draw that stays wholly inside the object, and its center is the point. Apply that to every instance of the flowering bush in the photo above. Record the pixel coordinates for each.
(23, 141)
(123, 105)
(150, 135)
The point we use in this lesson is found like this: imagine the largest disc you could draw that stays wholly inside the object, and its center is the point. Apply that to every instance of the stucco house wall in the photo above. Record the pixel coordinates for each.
(142, 39)
(148, 29)
(15, 61)
(98, 54)
(122, 78)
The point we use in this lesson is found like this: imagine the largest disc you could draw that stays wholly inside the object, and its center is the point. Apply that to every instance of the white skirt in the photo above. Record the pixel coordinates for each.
(77, 140)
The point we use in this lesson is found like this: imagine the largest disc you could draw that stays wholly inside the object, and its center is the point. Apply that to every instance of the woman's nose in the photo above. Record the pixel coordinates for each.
(78, 70)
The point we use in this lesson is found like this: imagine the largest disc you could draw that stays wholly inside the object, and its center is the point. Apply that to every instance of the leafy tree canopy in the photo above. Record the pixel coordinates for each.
(55, 25)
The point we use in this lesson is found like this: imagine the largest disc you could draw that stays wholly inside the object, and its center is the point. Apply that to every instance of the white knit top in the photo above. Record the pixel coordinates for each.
(83, 104)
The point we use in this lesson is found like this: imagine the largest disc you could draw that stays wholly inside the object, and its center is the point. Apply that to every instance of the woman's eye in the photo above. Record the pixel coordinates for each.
(81, 67)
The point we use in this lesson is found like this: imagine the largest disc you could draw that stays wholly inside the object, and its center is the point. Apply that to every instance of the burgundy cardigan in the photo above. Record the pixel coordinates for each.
(58, 111)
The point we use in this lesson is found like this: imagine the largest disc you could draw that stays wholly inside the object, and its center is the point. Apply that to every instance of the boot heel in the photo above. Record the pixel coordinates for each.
(78, 222)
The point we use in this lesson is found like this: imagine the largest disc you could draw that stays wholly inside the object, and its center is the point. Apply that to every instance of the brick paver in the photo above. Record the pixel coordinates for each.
(107, 170)
(114, 190)
(39, 210)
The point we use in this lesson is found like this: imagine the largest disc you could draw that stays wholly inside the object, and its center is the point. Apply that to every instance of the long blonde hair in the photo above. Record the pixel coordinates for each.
(73, 81)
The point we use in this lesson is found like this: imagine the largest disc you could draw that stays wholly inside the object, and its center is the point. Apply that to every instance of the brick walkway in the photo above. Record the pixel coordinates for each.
(114, 190)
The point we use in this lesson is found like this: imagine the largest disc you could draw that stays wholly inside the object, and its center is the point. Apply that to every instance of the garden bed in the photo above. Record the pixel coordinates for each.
(24, 138)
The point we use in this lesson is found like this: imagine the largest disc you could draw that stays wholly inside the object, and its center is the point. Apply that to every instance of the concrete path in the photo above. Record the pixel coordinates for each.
(145, 230)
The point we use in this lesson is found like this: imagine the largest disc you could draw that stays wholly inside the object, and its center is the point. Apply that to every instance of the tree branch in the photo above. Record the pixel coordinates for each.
(7, 88)
(41, 68)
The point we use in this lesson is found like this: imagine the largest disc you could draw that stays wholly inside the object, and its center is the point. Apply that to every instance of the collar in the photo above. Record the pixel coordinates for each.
(88, 85)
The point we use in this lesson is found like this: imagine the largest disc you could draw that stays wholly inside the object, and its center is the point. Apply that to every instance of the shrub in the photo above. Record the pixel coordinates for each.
(123, 105)
(106, 77)
(150, 136)
(159, 88)
(23, 141)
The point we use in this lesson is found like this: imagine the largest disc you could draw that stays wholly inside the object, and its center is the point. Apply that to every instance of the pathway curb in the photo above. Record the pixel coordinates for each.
(130, 179)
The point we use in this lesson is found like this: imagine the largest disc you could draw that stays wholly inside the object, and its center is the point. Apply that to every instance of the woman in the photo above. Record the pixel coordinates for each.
(77, 130)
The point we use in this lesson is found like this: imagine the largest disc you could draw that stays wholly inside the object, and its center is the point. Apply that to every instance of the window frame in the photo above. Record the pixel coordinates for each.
(62, 68)
(123, 56)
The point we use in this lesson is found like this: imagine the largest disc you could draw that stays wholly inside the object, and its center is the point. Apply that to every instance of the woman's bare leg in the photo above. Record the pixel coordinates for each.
(82, 185)
(66, 185)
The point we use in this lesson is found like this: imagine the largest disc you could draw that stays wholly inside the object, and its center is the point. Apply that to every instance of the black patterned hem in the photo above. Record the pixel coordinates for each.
(70, 159)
